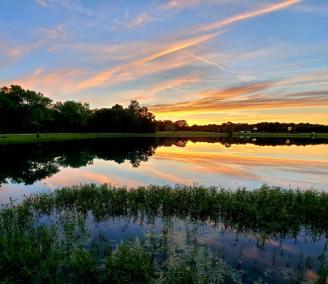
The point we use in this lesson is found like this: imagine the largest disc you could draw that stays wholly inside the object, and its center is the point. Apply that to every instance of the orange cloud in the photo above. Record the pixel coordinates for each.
(121, 70)
(248, 15)
(249, 96)
(51, 83)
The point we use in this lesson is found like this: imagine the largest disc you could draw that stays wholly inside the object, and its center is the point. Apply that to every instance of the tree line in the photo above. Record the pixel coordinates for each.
(230, 127)
(26, 111)
(23, 111)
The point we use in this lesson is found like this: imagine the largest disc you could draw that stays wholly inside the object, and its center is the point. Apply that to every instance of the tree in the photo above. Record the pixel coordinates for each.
(181, 125)
(71, 116)
(22, 110)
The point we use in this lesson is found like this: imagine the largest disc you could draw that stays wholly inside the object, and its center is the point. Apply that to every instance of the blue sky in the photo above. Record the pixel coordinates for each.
(204, 61)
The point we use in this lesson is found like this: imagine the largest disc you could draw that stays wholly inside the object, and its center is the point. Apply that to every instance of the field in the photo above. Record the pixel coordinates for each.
(48, 237)
(48, 137)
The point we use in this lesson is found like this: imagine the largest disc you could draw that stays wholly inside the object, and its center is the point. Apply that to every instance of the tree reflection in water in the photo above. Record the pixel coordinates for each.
(28, 163)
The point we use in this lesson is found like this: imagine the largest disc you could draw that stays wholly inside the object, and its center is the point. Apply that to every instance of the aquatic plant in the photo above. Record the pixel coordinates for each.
(269, 211)
(46, 237)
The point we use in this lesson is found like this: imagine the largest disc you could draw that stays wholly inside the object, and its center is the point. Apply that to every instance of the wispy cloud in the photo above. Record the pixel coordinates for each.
(122, 70)
(69, 5)
(250, 96)
(180, 4)
(45, 37)
(105, 75)
(140, 20)
(248, 15)
(56, 83)
(156, 89)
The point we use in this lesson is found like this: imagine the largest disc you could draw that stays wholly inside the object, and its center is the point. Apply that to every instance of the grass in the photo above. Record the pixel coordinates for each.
(271, 211)
(63, 250)
(48, 137)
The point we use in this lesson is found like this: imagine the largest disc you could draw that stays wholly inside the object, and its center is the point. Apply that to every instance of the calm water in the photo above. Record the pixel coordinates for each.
(230, 163)
(27, 169)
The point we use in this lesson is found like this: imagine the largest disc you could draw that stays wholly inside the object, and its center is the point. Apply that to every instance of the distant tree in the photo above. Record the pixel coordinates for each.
(181, 125)
(165, 125)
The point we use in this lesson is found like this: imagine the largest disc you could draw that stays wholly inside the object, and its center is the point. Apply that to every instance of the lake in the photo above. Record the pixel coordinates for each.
(226, 162)
(231, 163)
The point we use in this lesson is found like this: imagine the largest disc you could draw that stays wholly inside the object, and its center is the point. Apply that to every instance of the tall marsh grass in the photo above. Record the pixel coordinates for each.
(63, 250)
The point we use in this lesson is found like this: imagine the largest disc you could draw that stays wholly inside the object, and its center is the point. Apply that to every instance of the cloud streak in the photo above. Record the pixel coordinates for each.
(122, 70)
(180, 4)
(53, 83)
(248, 15)
(103, 76)
(69, 5)
(247, 97)
(157, 89)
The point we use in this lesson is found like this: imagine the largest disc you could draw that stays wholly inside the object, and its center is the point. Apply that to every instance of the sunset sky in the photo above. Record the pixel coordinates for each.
(206, 61)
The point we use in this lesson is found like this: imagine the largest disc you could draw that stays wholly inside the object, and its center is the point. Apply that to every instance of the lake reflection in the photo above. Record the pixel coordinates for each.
(228, 162)
(273, 260)
(278, 257)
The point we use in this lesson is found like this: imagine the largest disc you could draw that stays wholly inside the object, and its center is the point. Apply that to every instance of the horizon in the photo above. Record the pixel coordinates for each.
(238, 61)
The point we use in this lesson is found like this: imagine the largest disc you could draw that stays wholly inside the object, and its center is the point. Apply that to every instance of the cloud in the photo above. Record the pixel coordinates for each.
(102, 77)
(140, 20)
(314, 8)
(220, 66)
(180, 4)
(54, 83)
(248, 15)
(153, 91)
(56, 32)
(43, 3)
(124, 69)
(69, 5)
(13, 52)
(252, 96)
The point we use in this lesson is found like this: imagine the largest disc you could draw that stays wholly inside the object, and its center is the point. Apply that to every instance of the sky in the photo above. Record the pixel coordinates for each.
(205, 61)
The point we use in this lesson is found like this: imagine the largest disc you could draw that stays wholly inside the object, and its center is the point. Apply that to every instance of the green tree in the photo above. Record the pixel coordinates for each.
(22, 110)
(71, 116)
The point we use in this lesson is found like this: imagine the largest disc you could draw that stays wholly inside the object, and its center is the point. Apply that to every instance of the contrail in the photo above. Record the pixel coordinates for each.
(220, 66)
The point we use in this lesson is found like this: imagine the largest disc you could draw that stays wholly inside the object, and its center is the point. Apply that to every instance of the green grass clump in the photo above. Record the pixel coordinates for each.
(269, 210)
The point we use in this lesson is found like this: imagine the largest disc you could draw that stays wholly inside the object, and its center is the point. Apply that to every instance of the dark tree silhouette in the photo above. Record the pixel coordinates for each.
(23, 111)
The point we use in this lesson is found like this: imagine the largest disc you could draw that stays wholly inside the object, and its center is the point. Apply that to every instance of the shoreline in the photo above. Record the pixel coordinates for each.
(53, 137)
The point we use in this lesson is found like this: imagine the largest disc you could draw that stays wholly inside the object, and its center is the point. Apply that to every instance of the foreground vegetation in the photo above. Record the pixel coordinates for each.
(52, 137)
(45, 238)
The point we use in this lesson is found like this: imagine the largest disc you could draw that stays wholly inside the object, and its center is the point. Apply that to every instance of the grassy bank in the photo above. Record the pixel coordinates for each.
(49, 137)
(61, 249)
(284, 135)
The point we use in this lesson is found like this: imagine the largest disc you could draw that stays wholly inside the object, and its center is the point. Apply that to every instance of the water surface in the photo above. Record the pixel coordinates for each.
(223, 162)
(230, 163)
